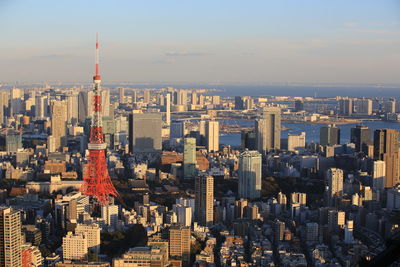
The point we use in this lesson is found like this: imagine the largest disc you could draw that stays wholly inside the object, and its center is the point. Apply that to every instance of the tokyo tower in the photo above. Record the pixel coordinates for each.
(97, 182)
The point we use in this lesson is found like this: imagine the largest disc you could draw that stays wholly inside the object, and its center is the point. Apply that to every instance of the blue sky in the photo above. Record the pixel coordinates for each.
(225, 41)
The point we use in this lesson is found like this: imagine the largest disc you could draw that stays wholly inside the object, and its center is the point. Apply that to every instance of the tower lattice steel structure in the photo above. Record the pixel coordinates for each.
(97, 182)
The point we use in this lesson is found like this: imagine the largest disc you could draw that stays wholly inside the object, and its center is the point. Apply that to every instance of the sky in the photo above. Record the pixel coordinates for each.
(201, 42)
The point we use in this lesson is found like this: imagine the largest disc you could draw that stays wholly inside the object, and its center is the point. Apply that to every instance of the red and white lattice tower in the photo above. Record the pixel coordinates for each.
(97, 182)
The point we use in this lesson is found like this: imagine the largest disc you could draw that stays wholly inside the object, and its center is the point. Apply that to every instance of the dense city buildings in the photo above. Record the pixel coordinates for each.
(130, 175)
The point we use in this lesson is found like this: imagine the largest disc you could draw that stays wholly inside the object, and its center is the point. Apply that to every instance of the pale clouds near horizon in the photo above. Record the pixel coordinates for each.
(357, 60)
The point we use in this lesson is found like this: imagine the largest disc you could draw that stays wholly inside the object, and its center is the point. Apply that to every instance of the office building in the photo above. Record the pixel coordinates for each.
(41, 107)
(145, 132)
(109, 214)
(298, 105)
(143, 257)
(179, 243)
(215, 100)
(361, 137)
(10, 237)
(329, 135)
(239, 103)
(177, 129)
(334, 181)
(168, 109)
(312, 229)
(346, 107)
(390, 106)
(386, 148)
(189, 158)
(362, 106)
(296, 142)
(59, 123)
(193, 99)
(279, 229)
(336, 220)
(348, 232)
(4, 97)
(72, 107)
(378, 175)
(268, 130)
(393, 199)
(10, 141)
(74, 247)
(146, 96)
(92, 234)
(212, 135)
(249, 175)
(121, 95)
(248, 140)
(204, 200)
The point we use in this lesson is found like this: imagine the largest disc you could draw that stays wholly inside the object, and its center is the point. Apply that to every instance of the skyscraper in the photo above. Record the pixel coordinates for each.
(146, 96)
(329, 135)
(204, 193)
(298, 105)
(249, 175)
(268, 130)
(10, 237)
(386, 148)
(194, 98)
(378, 175)
(145, 132)
(361, 137)
(72, 107)
(239, 103)
(58, 123)
(346, 107)
(212, 135)
(363, 106)
(177, 129)
(334, 181)
(3, 105)
(189, 158)
(84, 105)
(121, 94)
(168, 109)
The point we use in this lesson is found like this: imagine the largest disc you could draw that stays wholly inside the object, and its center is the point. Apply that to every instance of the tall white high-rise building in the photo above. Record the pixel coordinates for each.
(378, 175)
(109, 214)
(268, 130)
(10, 237)
(249, 175)
(168, 109)
(334, 180)
(121, 94)
(204, 193)
(59, 123)
(16, 101)
(212, 136)
(74, 247)
(72, 107)
(41, 106)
